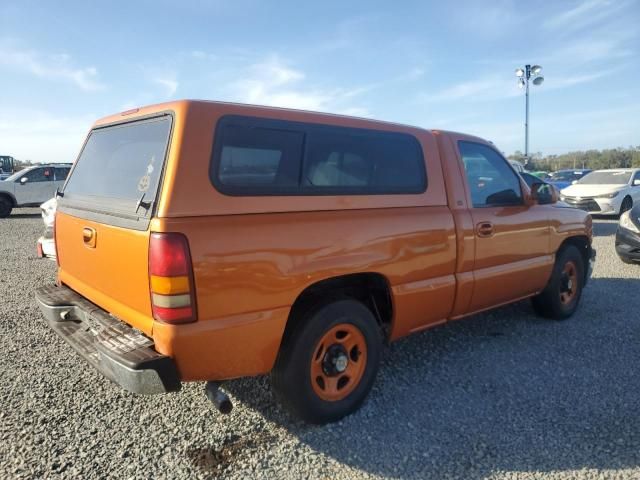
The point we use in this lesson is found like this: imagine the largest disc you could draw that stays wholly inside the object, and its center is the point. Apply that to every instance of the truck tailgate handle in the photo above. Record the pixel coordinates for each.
(484, 229)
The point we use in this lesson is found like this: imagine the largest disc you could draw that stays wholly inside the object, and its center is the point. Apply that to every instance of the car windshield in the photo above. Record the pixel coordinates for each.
(605, 177)
(565, 176)
(16, 175)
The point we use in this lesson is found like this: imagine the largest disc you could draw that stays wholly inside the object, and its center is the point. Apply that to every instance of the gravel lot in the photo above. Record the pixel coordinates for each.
(501, 395)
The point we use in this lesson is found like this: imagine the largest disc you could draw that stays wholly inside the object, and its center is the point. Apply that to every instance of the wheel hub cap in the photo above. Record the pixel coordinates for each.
(341, 363)
(335, 360)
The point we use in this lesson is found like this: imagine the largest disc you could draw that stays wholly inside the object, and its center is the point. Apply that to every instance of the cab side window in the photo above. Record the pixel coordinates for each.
(62, 173)
(492, 182)
(39, 175)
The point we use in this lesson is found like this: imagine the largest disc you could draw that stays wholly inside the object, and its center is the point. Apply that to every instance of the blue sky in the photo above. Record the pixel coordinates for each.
(447, 65)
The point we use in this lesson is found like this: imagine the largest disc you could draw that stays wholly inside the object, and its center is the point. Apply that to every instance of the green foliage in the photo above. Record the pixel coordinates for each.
(594, 159)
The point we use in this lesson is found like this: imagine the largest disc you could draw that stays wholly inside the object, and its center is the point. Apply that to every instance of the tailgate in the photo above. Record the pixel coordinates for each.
(104, 213)
(113, 273)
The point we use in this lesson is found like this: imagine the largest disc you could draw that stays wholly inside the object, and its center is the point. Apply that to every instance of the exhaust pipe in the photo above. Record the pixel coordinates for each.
(218, 397)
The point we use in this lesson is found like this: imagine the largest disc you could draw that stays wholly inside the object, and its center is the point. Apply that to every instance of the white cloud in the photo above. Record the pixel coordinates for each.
(589, 12)
(489, 87)
(273, 82)
(170, 85)
(58, 66)
(494, 87)
(42, 136)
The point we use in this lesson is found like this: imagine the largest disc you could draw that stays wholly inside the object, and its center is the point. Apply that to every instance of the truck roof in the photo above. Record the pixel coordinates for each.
(215, 105)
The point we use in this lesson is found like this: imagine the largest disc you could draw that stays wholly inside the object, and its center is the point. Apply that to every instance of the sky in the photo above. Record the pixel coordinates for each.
(433, 64)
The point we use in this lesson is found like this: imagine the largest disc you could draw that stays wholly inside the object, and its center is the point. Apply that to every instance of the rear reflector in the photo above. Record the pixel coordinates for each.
(169, 285)
(171, 278)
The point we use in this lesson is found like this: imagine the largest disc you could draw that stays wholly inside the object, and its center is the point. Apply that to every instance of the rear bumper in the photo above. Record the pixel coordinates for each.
(121, 353)
(46, 247)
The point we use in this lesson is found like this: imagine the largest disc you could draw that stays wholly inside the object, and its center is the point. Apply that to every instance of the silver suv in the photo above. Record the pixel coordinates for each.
(32, 186)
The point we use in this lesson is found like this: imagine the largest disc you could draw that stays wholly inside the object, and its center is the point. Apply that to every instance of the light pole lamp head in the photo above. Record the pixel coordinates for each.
(536, 69)
(519, 72)
(538, 80)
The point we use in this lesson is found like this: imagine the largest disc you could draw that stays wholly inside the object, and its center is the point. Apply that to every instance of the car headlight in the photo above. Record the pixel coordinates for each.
(609, 195)
(626, 222)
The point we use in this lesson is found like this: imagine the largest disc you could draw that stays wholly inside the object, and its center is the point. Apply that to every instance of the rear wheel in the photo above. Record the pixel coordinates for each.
(5, 207)
(627, 204)
(561, 296)
(328, 364)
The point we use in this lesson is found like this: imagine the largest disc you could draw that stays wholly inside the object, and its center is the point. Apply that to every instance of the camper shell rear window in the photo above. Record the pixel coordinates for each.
(119, 170)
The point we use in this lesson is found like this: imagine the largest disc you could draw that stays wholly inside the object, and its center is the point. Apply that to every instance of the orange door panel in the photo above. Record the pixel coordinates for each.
(511, 235)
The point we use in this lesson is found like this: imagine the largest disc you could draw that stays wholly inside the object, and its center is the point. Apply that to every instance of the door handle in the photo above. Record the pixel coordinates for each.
(484, 229)
(89, 236)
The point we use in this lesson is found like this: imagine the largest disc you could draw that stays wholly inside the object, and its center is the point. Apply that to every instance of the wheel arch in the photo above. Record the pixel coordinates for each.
(627, 196)
(370, 288)
(582, 243)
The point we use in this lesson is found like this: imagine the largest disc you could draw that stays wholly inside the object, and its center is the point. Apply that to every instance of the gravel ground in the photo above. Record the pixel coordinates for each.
(500, 395)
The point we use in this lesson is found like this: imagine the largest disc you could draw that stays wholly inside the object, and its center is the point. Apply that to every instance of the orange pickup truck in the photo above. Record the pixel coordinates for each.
(204, 241)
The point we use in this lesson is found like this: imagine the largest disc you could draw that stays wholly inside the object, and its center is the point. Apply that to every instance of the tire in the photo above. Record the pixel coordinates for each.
(627, 204)
(328, 364)
(5, 207)
(561, 297)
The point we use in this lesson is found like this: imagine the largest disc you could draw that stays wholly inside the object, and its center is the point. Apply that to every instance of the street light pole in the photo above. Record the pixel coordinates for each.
(529, 72)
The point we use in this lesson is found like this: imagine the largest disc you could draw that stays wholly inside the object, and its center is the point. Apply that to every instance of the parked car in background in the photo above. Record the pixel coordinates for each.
(531, 180)
(46, 246)
(32, 186)
(7, 166)
(628, 236)
(518, 166)
(563, 178)
(204, 241)
(605, 192)
(541, 174)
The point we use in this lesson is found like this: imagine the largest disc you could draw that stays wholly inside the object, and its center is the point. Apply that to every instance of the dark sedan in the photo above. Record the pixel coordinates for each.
(628, 236)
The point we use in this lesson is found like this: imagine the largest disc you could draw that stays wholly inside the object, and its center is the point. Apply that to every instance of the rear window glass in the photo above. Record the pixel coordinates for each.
(271, 157)
(345, 160)
(122, 162)
(259, 157)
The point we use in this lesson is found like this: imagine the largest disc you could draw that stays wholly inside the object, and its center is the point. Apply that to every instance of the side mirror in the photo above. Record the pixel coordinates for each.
(574, 182)
(543, 193)
(24, 180)
(636, 182)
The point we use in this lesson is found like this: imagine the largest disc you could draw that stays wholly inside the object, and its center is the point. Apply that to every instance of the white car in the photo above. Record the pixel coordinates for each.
(46, 245)
(605, 192)
(31, 186)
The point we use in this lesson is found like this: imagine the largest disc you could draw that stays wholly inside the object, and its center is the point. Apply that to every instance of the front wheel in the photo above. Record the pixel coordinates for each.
(328, 364)
(560, 298)
(5, 207)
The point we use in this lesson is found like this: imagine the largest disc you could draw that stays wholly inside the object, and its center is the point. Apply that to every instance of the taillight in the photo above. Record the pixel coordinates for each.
(171, 278)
